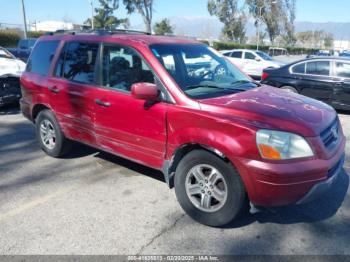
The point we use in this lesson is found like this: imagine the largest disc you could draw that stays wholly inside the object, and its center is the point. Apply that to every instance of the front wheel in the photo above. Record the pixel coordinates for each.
(209, 189)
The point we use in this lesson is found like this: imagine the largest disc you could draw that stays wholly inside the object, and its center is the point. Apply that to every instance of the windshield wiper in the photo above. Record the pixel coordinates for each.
(211, 86)
(242, 82)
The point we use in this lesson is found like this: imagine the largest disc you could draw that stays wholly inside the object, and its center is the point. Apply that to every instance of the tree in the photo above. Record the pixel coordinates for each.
(163, 27)
(289, 19)
(328, 40)
(144, 7)
(269, 12)
(105, 18)
(232, 16)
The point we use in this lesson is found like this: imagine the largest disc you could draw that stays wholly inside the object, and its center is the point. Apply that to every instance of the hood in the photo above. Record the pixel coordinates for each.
(11, 67)
(272, 108)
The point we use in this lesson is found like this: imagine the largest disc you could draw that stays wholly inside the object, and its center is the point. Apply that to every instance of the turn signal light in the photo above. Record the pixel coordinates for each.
(269, 152)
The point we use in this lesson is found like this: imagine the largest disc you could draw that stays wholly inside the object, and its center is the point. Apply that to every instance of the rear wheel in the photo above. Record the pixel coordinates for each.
(50, 136)
(290, 89)
(209, 189)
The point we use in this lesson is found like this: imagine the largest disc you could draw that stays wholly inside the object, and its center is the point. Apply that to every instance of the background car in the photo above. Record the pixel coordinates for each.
(24, 48)
(325, 79)
(11, 69)
(252, 62)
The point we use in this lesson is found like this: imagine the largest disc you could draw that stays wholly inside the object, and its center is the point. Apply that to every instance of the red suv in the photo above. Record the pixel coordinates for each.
(180, 107)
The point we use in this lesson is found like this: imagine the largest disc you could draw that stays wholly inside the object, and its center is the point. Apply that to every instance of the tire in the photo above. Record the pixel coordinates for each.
(221, 212)
(290, 89)
(50, 135)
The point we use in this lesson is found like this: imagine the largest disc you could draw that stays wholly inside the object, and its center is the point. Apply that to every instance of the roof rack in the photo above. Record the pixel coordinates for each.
(98, 32)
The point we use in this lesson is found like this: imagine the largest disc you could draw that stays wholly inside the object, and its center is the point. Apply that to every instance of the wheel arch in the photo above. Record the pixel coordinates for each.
(169, 166)
(37, 109)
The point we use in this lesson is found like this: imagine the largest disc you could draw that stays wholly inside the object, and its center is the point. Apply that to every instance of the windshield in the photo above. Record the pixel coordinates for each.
(264, 56)
(200, 71)
(6, 54)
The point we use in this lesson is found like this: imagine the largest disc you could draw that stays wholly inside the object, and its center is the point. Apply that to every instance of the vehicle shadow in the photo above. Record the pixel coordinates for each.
(12, 109)
(343, 112)
(318, 210)
(81, 150)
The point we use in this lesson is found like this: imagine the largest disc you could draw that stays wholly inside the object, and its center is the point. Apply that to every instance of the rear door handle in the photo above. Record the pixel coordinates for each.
(102, 103)
(54, 89)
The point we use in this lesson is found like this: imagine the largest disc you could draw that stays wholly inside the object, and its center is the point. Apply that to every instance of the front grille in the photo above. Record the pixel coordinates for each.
(330, 135)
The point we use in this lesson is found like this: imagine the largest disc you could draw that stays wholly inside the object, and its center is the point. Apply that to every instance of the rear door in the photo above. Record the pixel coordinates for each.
(341, 97)
(72, 87)
(237, 58)
(126, 126)
(317, 81)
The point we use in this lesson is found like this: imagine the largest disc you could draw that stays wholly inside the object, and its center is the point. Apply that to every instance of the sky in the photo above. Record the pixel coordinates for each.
(79, 10)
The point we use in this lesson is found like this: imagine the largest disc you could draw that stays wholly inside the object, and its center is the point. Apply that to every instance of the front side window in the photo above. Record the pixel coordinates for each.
(321, 68)
(228, 54)
(250, 56)
(77, 62)
(122, 67)
(237, 54)
(200, 71)
(342, 69)
(41, 57)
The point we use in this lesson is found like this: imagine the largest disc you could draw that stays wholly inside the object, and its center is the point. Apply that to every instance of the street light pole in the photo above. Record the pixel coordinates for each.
(92, 14)
(24, 20)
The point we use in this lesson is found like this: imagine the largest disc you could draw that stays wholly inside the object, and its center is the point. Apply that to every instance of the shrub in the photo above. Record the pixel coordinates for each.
(9, 38)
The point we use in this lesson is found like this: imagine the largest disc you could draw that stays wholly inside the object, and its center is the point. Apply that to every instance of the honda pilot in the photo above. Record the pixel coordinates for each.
(178, 106)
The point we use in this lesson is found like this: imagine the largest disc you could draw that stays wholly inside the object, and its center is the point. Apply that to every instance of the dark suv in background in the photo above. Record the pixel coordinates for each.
(180, 107)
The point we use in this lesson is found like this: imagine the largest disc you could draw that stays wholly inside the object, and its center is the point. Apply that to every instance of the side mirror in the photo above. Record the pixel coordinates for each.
(257, 59)
(145, 91)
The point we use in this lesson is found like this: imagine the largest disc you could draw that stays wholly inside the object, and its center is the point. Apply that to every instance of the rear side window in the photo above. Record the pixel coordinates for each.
(321, 68)
(77, 62)
(236, 54)
(342, 69)
(41, 57)
(299, 69)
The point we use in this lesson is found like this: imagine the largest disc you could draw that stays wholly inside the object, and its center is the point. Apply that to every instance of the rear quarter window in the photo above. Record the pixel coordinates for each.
(299, 69)
(41, 57)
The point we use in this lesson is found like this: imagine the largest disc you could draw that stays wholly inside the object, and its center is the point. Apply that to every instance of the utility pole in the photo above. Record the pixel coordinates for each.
(24, 20)
(92, 14)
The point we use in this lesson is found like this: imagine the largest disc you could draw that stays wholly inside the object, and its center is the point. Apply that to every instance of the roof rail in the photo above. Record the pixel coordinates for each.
(97, 32)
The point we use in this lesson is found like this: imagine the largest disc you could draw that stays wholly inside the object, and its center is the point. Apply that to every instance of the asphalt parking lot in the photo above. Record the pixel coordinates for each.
(94, 203)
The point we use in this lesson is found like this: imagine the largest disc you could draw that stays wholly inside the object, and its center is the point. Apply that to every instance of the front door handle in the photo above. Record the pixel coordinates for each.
(102, 103)
(54, 89)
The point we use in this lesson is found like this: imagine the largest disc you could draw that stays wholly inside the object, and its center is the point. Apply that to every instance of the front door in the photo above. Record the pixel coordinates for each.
(126, 126)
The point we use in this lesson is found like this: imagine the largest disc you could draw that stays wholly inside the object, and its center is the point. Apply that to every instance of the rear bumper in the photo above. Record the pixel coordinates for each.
(26, 109)
(274, 184)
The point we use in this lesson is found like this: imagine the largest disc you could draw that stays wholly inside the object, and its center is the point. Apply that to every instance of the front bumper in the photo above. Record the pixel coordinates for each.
(322, 187)
(298, 182)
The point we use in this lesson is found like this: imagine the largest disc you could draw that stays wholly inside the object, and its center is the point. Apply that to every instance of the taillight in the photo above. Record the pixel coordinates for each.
(264, 76)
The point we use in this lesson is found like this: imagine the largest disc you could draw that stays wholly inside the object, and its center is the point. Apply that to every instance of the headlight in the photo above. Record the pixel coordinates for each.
(277, 145)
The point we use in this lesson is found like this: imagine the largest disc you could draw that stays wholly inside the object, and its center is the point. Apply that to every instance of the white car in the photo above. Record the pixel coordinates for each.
(10, 65)
(251, 62)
